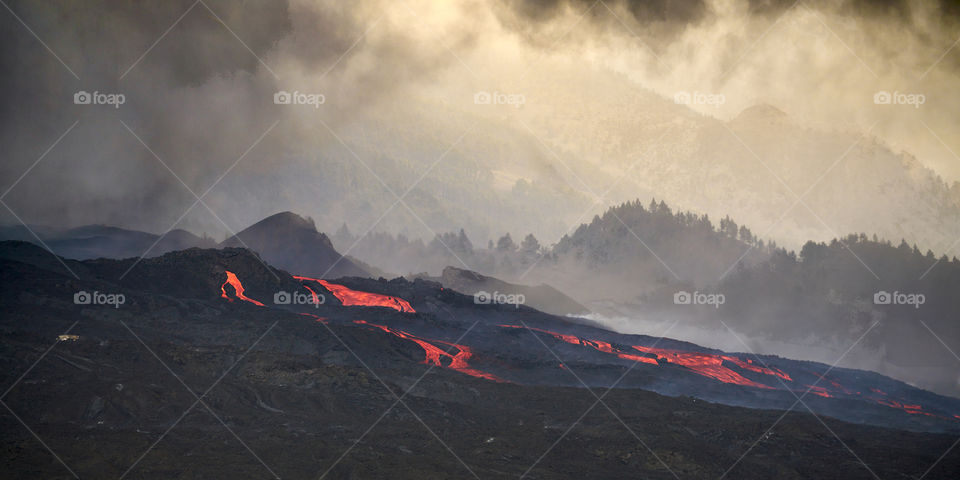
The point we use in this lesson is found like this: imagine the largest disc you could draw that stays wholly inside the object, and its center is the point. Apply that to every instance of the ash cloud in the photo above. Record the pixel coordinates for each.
(199, 98)
(821, 60)
(199, 95)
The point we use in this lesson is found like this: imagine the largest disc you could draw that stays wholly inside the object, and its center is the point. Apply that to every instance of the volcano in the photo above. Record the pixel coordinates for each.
(292, 242)
(542, 297)
(300, 382)
(104, 241)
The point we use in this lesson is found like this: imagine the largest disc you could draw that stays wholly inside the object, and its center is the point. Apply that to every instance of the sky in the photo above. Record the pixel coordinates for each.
(198, 116)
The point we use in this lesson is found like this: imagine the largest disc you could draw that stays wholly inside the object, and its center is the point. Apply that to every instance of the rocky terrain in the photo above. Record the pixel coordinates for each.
(185, 378)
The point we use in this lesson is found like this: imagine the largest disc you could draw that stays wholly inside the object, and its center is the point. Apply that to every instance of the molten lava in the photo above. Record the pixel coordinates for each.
(715, 366)
(434, 354)
(318, 318)
(706, 364)
(349, 297)
(234, 282)
(316, 298)
(821, 391)
(892, 403)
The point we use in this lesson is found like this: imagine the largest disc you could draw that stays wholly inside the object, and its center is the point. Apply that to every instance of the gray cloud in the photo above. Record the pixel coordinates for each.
(199, 98)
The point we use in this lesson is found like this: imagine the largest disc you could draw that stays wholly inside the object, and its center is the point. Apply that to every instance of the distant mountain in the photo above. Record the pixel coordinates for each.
(286, 240)
(828, 292)
(201, 308)
(542, 297)
(103, 241)
(637, 143)
(620, 256)
(632, 250)
(631, 261)
(562, 158)
(293, 243)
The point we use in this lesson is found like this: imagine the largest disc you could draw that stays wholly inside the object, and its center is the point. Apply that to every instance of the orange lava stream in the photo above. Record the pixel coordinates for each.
(318, 318)
(316, 299)
(607, 348)
(706, 364)
(911, 409)
(821, 391)
(458, 362)
(349, 297)
(837, 386)
(711, 365)
(237, 289)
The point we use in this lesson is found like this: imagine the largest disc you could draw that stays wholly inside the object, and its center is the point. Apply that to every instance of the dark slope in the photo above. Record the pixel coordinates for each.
(292, 242)
(103, 241)
(506, 341)
(541, 297)
(299, 390)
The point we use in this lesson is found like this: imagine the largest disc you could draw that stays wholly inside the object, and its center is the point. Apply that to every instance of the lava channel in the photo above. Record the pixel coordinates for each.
(234, 282)
(434, 354)
(349, 297)
(706, 364)
(318, 318)
(712, 366)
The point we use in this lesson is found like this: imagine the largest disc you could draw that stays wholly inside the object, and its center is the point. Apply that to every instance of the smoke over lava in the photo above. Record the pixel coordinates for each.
(202, 96)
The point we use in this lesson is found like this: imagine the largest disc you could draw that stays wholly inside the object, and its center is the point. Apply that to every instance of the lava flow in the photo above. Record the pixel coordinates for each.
(712, 366)
(434, 353)
(237, 289)
(706, 364)
(316, 298)
(318, 318)
(349, 297)
(889, 402)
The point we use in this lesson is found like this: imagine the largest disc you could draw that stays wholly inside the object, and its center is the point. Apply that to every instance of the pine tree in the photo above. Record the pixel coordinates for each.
(505, 244)
(530, 245)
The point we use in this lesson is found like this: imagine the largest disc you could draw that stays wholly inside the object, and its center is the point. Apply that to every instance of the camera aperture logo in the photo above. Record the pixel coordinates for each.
(699, 298)
(499, 98)
(497, 298)
(884, 97)
(898, 298)
(84, 97)
(699, 98)
(284, 97)
(298, 298)
(98, 298)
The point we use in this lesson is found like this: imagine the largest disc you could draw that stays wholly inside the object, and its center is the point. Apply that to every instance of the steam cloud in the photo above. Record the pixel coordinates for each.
(202, 94)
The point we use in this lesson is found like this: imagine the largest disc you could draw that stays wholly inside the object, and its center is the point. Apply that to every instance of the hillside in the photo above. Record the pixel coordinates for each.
(299, 384)
(292, 242)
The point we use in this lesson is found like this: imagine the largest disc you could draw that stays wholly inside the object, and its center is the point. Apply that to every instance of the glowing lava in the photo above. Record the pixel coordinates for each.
(434, 354)
(911, 409)
(706, 364)
(715, 366)
(318, 318)
(349, 297)
(237, 289)
(821, 391)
